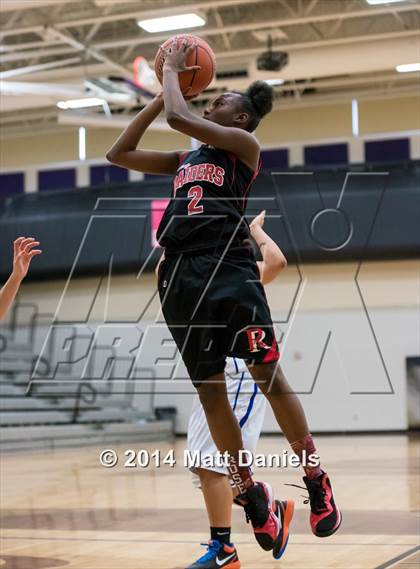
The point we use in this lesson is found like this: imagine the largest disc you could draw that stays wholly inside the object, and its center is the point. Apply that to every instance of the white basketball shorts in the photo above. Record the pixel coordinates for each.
(248, 404)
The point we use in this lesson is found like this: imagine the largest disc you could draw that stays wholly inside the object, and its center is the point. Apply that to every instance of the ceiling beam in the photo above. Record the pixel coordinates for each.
(35, 29)
(96, 26)
(316, 31)
(219, 22)
(67, 38)
(158, 12)
(37, 68)
(400, 20)
(129, 15)
(321, 43)
(375, 11)
(52, 89)
(242, 27)
(333, 29)
(12, 20)
(18, 56)
(158, 38)
(320, 85)
(245, 54)
(9, 48)
(22, 5)
(288, 8)
(310, 7)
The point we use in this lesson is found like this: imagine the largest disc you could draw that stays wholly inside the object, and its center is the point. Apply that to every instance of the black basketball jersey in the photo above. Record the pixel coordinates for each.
(209, 199)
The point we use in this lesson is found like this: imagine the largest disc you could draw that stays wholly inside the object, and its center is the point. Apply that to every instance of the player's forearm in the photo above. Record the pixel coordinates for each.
(132, 135)
(175, 105)
(8, 294)
(272, 255)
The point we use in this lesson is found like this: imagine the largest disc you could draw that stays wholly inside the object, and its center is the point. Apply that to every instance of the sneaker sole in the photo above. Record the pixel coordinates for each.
(264, 540)
(280, 548)
(332, 531)
(235, 565)
(232, 565)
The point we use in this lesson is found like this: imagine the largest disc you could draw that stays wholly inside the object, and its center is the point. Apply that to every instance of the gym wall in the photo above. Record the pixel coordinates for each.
(292, 123)
(359, 334)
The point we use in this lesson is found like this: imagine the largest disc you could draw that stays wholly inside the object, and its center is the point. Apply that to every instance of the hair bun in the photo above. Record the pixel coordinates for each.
(261, 95)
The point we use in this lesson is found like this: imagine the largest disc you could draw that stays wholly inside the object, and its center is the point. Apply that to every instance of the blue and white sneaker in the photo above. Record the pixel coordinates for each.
(218, 556)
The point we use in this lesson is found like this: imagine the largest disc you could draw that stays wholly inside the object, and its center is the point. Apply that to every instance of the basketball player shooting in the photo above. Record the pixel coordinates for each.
(23, 253)
(212, 298)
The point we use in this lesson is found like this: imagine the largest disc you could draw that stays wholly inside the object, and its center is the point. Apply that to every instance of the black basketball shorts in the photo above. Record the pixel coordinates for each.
(216, 307)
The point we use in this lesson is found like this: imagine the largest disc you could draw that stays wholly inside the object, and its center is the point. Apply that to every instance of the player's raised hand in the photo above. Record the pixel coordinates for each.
(176, 56)
(258, 221)
(24, 250)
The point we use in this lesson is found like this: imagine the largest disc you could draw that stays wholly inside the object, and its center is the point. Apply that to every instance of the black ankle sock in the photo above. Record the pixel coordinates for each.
(221, 534)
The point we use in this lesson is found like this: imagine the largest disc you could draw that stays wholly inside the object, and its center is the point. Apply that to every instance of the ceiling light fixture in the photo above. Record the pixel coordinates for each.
(274, 82)
(377, 2)
(408, 67)
(182, 21)
(80, 103)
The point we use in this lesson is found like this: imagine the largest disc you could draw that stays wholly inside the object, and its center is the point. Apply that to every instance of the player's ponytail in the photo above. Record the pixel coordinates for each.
(261, 95)
(257, 102)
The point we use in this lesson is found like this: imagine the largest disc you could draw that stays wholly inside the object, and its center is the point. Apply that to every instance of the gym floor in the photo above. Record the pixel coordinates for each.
(63, 509)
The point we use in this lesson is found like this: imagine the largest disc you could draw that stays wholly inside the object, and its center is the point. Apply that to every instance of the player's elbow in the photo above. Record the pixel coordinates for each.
(276, 267)
(175, 120)
(280, 263)
(172, 119)
(111, 156)
(272, 268)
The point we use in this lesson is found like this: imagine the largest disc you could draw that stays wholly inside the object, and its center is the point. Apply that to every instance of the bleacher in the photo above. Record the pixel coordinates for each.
(40, 412)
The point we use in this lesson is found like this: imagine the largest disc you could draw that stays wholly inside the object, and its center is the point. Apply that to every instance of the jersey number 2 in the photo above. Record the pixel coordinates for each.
(195, 193)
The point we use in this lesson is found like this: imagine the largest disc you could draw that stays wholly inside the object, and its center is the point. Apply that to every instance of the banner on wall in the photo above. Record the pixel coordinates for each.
(157, 210)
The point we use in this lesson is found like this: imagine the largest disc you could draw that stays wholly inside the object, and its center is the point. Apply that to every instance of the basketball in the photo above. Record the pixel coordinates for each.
(191, 82)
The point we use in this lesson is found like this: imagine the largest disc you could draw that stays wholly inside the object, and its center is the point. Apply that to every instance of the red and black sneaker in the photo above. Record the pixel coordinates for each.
(325, 516)
(259, 507)
(284, 511)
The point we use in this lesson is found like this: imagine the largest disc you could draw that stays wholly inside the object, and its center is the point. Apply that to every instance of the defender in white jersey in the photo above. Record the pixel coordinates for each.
(248, 404)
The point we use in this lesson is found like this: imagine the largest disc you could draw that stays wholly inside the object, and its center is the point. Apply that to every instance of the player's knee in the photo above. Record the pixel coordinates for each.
(263, 372)
(275, 389)
(270, 379)
(208, 476)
